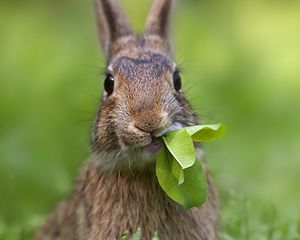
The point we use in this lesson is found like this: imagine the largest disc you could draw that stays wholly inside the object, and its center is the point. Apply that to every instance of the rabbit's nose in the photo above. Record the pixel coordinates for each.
(148, 127)
(148, 122)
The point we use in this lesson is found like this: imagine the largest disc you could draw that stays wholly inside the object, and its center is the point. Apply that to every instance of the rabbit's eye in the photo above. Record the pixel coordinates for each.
(177, 81)
(109, 84)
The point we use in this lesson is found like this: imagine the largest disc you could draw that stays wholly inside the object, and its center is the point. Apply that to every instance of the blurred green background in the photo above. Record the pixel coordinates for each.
(241, 66)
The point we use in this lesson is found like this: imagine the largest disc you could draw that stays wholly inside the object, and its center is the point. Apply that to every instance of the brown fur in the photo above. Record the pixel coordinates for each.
(117, 189)
(103, 205)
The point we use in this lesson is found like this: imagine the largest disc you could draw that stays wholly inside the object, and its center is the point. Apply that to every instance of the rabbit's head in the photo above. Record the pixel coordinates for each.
(142, 96)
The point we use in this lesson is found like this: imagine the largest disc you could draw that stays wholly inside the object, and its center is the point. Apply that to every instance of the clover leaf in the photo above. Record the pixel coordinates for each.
(178, 172)
(180, 145)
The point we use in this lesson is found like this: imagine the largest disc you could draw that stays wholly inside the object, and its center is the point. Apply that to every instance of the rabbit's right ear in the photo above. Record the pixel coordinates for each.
(111, 22)
(158, 21)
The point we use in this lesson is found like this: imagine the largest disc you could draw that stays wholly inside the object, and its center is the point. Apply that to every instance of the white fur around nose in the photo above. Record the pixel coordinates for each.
(173, 127)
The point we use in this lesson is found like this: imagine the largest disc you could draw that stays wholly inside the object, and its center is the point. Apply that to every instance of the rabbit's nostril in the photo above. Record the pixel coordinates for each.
(147, 122)
(141, 128)
(147, 127)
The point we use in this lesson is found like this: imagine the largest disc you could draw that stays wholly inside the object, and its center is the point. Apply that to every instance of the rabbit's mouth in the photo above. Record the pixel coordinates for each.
(154, 146)
(156, 143)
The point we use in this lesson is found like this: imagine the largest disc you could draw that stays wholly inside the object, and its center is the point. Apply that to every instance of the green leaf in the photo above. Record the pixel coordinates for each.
(124, 235)
(155, 237)
(137, 235)
(180, 145)
(205, 133)
(192, 192)
(177, 171)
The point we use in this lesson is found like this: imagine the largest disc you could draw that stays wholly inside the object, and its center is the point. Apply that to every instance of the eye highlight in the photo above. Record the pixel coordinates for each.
(109, 84)
(177, 80)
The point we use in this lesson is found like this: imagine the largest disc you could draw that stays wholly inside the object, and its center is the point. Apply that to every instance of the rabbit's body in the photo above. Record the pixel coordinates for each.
(104, 205)
(117, 190)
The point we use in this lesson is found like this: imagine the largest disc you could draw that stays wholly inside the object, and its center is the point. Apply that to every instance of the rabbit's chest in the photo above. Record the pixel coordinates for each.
(126, 203)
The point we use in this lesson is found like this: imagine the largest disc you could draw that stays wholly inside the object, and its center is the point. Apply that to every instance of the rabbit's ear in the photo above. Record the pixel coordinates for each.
(158, 21)
(111, 22)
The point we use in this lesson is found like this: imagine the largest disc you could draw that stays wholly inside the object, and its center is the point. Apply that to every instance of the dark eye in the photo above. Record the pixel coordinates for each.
(177, 81)
(109, 84)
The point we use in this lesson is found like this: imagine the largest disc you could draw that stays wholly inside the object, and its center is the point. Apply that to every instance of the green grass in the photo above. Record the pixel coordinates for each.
(240, 65)
(241, 218)
(247, 219)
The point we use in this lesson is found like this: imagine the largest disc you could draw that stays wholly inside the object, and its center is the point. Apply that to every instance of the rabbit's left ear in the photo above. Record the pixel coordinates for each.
(158, 21)
(111, 22)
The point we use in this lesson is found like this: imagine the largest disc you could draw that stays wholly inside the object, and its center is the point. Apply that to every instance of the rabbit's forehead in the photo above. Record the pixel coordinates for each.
(147, 64)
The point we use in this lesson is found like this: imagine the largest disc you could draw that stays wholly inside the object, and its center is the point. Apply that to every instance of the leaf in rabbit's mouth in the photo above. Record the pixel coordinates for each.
(179, 174)
(155, 146)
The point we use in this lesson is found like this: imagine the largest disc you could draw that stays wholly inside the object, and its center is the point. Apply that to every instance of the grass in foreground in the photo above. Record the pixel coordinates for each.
(241, 218)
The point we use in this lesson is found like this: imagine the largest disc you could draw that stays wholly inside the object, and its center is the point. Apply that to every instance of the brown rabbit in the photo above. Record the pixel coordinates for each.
(117, 189)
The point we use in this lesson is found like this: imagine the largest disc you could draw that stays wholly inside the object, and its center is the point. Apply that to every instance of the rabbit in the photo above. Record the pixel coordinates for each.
(117, 189)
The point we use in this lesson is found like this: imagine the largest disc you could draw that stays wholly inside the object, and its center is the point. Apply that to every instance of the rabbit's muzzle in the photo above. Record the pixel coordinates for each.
(149, 120)
(144, 130)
